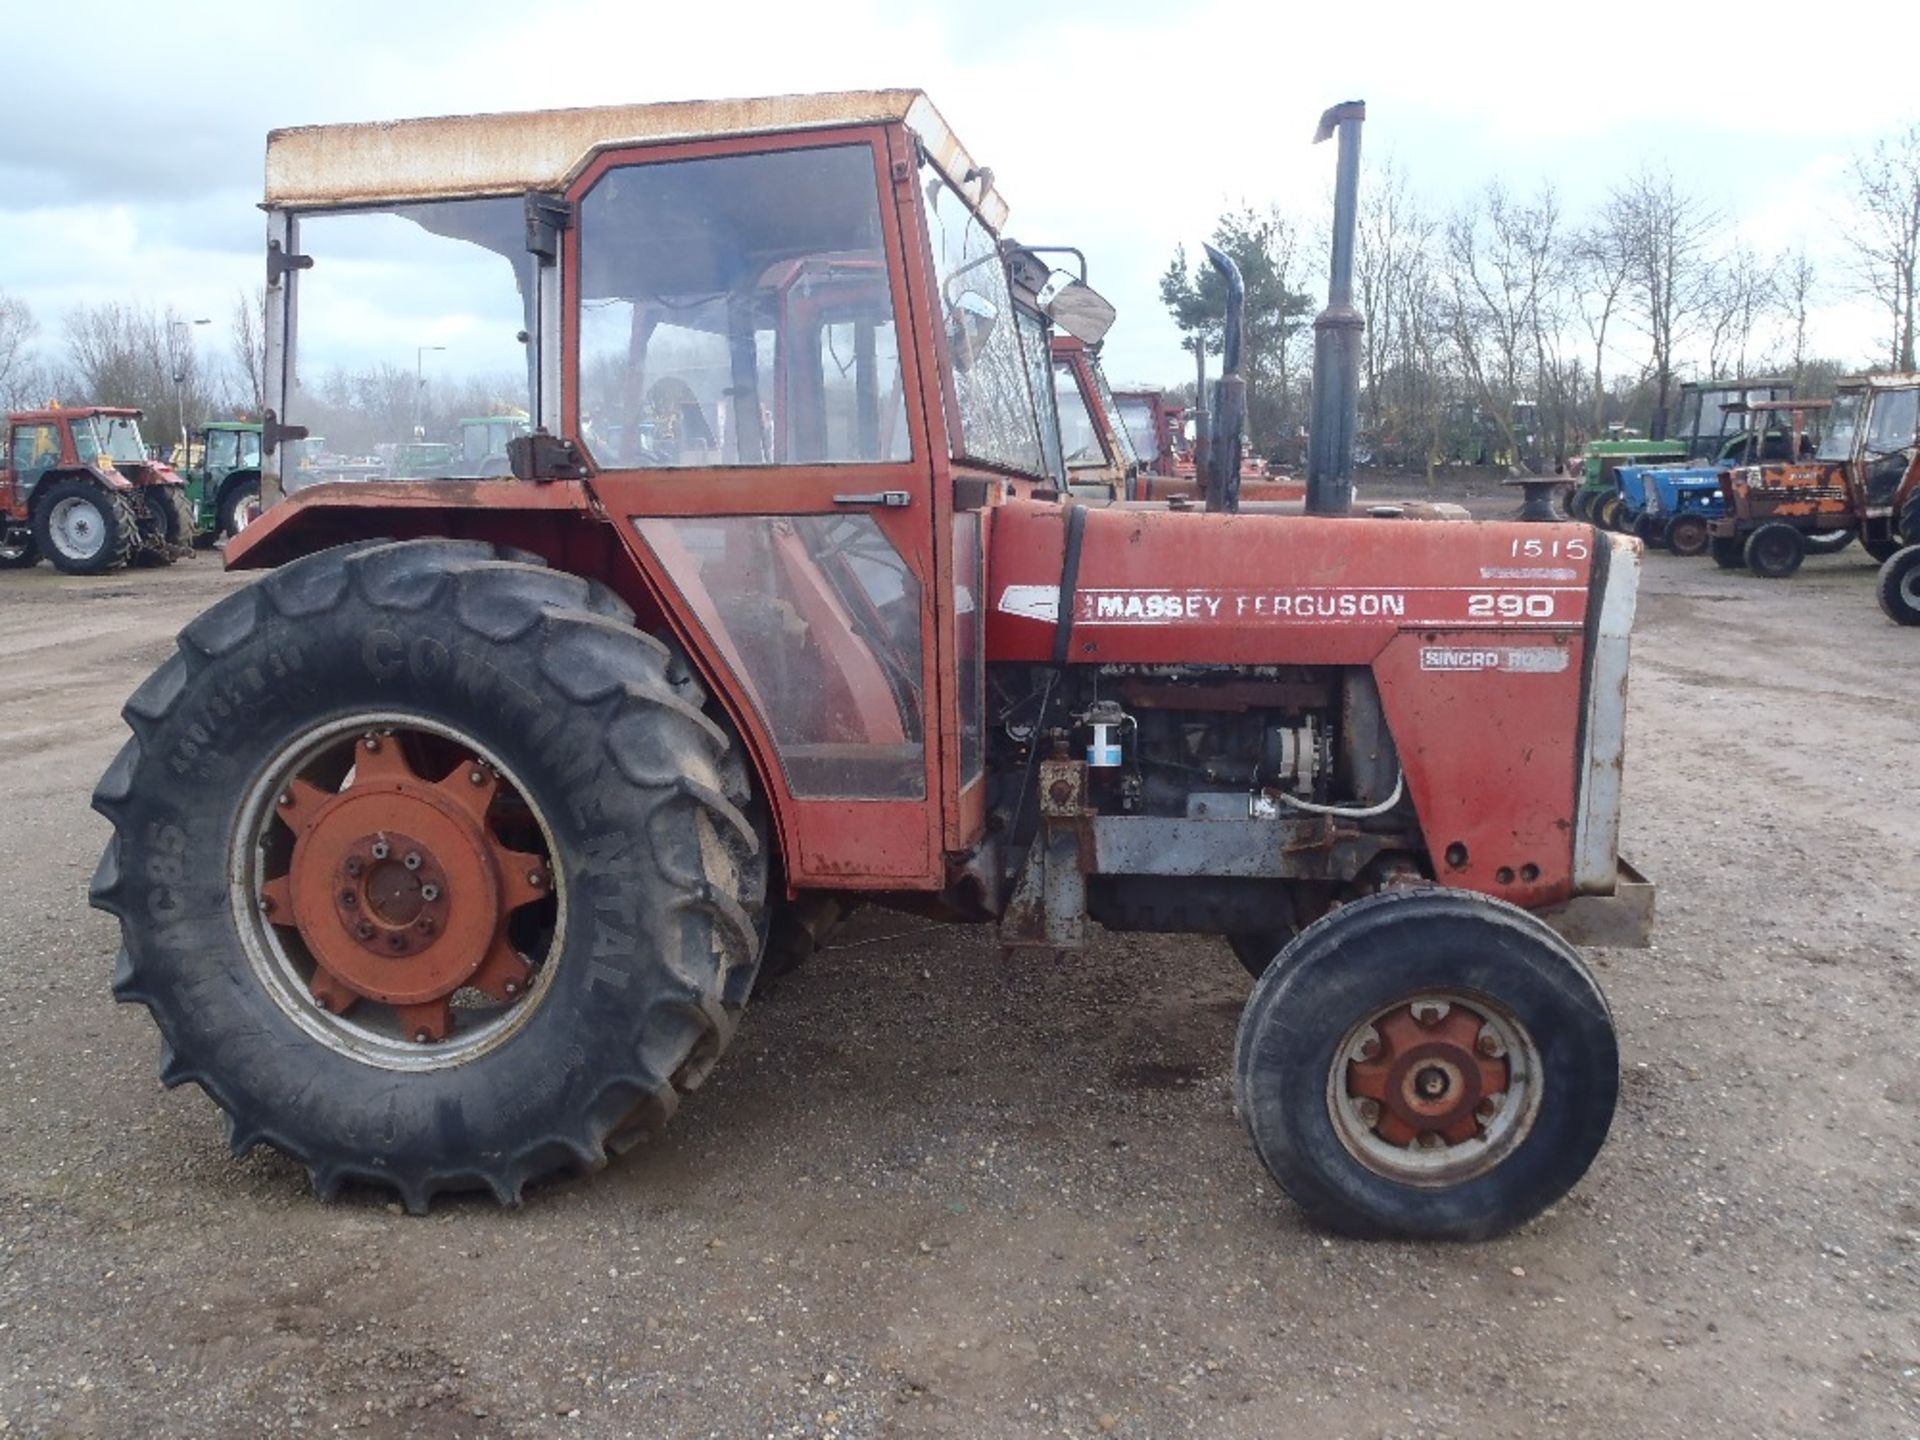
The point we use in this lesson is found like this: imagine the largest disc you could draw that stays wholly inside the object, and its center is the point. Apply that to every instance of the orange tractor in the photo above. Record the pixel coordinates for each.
(447, 855)
(1863, 478)
(78, 488)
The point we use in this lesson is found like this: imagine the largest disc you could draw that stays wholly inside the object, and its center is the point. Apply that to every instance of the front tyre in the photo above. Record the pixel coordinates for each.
(1898, 588)
(1775, 550)
(1427, 1064)
(431, 869)
(239, 507)
(1687, 535)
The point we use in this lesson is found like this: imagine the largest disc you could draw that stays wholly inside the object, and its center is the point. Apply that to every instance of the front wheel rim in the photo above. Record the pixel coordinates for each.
(379, 904)
(1435, 1089)
(77, 527)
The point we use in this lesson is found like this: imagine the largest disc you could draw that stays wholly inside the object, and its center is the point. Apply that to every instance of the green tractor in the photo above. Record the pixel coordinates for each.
(483, 442)
(224, 486)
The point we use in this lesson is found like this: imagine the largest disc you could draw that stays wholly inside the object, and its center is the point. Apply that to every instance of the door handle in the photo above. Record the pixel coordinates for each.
(890, 499)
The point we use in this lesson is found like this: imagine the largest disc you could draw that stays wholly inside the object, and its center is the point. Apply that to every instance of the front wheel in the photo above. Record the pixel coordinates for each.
(1775, 550)
(1687, 535)
(431, 869)
(1898, 588)
(1427, 1064)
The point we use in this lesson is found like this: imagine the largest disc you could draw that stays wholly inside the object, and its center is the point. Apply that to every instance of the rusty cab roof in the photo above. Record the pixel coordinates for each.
(57, 413)
(461, 156)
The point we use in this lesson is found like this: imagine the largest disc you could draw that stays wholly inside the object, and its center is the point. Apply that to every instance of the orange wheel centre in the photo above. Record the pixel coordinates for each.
(400, 890)
(1431, 1079)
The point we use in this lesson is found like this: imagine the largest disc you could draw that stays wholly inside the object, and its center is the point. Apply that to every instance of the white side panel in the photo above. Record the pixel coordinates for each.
(1596, 841)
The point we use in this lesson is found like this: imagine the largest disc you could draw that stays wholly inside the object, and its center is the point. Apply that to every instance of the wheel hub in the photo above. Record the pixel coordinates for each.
(77, 527)
(1428, 1074)
(400, 890)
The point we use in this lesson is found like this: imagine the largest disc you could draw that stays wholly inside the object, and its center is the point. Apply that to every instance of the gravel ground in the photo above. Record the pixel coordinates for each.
(935, 1192)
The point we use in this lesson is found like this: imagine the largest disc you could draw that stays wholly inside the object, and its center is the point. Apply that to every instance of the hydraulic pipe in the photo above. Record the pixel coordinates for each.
(1229, 394)
(1337, 331)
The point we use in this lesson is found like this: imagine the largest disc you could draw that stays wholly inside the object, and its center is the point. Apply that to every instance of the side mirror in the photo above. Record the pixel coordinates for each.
(970, 322)
(1075, 307)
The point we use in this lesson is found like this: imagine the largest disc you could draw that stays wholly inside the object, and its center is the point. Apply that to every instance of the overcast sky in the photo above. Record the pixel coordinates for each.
(131, 151)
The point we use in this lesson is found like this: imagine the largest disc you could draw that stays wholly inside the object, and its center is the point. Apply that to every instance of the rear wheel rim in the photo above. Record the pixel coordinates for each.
(379, 902)
(1435, 1089)
(77, 527)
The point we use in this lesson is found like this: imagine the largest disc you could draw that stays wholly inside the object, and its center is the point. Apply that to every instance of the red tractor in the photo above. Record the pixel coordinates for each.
(447, 855)
(1158, 429)
(77, 486)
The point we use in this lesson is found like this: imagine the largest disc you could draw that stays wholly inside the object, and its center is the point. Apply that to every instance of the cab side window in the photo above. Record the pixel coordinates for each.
(36, 450)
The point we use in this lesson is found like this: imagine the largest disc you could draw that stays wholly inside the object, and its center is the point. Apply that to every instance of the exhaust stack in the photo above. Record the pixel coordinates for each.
(1222, 477)
(1336, 332)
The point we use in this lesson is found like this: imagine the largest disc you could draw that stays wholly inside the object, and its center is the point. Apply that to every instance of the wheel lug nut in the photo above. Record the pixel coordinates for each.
(372, 743)
(349, 899)
(266, 905)
(1427, 1140)
(536, 878)
(510, 989)
(1429, 1014)
(1489, 1045)
(354, 867)
(1487, 1108)
(1369, 1048)
(364, 929)
(1369, 1111)
(476, 777)
(286, 797)
(412, 862)
(396, 942)
(421, 1037)
(380, 850)
(429, 893)
(424, 924)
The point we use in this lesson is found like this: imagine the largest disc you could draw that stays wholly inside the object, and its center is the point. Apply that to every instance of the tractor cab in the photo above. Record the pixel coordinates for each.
(484, 441)
(222, 475)
(79, 487)
(1095, 444)
(1157, 428)
(1707, 426)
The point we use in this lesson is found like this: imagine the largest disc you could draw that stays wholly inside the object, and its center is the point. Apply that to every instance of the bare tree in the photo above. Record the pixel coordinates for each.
(1795, 283)
(1600, 263)
(1884, 233)
(1503, 267)
(17, 331)
(249, 354)
(123, 354)
(1663, 236)
(1736, 295)
(1402, 351)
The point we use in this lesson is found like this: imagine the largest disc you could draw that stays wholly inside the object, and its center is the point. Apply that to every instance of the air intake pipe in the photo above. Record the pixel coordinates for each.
(1229, 394)
(1336, 333)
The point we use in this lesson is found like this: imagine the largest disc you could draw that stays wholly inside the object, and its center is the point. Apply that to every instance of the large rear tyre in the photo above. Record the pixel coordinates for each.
(431, 869)
(1898, 588)
(85, 528)
(166, 524)
(1687, 535)
(1775, 550)
(1829, 542)
(239, 507)
(1429, 1064)
(1729, 551)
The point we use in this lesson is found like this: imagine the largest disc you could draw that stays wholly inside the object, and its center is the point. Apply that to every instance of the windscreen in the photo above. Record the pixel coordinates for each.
(1891, 421)
(1079, 436)
(410, 318)
(738, 311)
(1136, 413)
(1843, 427)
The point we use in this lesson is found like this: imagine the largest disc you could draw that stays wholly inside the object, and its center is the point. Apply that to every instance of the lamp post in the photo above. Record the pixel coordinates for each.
(420, 382)
(180, 346)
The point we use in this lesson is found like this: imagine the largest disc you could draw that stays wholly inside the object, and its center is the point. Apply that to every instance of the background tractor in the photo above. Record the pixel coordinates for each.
(1709, 423)
(222, 476)
(447, 855)
(77, 487)
(1864, 479)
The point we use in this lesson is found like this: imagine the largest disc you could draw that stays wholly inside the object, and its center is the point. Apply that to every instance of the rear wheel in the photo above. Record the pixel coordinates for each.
(84, 528)
(1775, 550)
(166, 524)
(239, 507)
(431, 869)
(1898, 588)
(1428, 1064)
(1687, 535)
(1829, 542)
(1610, 513)
(1729, 551)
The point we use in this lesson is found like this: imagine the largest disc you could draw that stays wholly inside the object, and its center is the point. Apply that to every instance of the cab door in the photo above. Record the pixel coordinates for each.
(740, 369)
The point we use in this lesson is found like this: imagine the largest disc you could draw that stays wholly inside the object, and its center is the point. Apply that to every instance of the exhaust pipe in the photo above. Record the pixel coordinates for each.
(1336, 332)
(1229, 395)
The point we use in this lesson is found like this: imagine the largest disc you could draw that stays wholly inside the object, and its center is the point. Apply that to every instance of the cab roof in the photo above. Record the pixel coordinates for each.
(455, 156)
(71, 412)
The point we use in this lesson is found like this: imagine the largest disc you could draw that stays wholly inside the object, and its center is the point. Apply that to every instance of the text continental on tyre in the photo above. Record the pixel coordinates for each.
(1427, 1064)
(432, 870)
